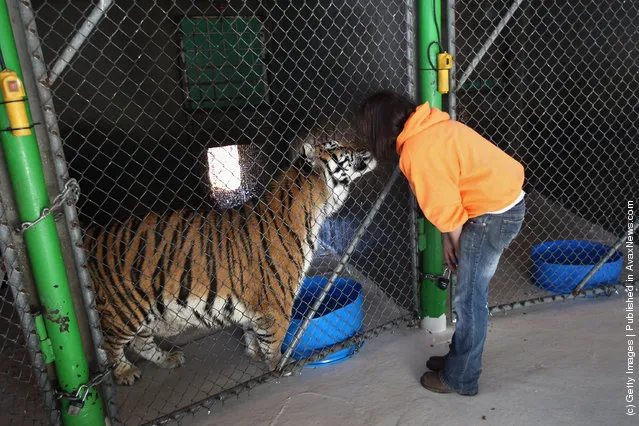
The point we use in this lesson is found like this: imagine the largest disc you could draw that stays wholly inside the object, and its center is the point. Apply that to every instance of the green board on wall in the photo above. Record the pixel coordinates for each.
(223, 61)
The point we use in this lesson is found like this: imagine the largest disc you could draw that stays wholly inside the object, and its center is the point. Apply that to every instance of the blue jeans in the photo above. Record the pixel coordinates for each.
(483, 240)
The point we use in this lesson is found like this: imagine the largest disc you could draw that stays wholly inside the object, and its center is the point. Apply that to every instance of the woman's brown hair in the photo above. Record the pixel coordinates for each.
(380, 119)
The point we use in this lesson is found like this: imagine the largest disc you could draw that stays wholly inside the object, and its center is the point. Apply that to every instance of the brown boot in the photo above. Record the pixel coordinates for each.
(431, 381)
(436, 363)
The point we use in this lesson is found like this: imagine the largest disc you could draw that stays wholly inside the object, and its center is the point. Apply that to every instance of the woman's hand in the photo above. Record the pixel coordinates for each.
(450, 242)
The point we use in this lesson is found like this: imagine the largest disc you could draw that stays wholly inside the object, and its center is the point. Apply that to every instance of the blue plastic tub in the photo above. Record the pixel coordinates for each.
(558, 266)
(339, 317)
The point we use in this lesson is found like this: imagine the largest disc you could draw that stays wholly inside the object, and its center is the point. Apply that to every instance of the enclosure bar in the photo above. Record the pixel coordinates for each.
(433, 299)
(598, 291)
(428, 23)
(78, 39)
(491, 40)
(414, 247)
(411, 61)
(237, 390)
(338, 269)
(412, 92)
(452, 111)
(450, 45)
(70, 212)
(27, 324)
(44, 251)
(601, 263)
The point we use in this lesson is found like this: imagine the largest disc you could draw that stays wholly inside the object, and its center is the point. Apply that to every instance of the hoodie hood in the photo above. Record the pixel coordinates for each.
(419, 121)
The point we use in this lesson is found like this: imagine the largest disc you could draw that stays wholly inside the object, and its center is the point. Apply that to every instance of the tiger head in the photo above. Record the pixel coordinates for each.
(342, 164)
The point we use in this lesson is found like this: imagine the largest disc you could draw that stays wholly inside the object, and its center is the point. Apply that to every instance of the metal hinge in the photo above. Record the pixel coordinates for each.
(45, 343)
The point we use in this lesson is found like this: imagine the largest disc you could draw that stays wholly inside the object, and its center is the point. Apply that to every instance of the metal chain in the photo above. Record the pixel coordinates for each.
(70, 194)
(446, 273)
(96, 380)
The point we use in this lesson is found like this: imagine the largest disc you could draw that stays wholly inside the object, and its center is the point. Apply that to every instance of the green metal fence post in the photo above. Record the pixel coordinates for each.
(432, 298)
(44, 251)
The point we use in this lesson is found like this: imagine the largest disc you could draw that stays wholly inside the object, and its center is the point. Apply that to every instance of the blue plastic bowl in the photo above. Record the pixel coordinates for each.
(558, 266)
(339, 317)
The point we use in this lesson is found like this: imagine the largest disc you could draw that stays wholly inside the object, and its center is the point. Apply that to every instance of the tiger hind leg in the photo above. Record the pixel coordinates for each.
(144, 345)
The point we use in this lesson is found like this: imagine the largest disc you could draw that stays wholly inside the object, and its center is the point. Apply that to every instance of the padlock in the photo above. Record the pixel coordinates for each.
(75, 407)
(444, 280)
(77, 404)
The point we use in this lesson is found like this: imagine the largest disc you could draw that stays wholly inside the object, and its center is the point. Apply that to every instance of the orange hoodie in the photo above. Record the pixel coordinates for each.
(455, 173)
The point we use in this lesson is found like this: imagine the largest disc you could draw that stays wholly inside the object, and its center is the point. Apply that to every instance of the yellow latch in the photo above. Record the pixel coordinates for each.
(13, 95)
(444, 63)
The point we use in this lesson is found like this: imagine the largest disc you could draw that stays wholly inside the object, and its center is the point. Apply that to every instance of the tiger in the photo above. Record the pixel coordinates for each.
(158, 275)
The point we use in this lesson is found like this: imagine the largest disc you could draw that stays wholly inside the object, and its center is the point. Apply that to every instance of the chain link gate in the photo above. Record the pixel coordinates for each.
(165, 106)
(556, 85)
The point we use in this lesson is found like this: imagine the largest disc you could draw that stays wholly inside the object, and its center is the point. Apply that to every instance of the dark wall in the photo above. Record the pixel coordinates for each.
(586, 121)
(135, 146)
(566, 102)
(122, 102)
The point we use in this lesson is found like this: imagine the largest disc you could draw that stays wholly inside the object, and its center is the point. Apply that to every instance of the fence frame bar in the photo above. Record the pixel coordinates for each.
(79, 39)
(25, 169)
(488, 44)
(52, 133)
(27, 324)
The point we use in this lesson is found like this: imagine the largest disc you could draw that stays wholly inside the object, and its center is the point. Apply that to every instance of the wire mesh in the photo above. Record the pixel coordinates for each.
(27, 392)
(23, 402)
(177, 107)
(557, 89)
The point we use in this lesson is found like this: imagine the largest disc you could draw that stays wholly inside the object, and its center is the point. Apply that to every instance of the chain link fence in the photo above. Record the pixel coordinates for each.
(556, 85)
(166, 106)
(23, 402)
(169, 107)
(28, 396)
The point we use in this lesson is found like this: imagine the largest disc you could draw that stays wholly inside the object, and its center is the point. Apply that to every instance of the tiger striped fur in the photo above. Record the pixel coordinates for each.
(157, 276)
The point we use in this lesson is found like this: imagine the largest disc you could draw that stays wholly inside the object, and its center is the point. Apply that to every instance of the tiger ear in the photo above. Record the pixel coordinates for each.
(307, 152)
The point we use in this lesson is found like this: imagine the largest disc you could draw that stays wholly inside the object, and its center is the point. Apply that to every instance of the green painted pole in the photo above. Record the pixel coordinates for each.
(43, 248)
(429, 21)
(432, 298)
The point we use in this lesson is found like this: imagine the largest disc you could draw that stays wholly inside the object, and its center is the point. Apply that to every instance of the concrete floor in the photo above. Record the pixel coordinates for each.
(560, 364)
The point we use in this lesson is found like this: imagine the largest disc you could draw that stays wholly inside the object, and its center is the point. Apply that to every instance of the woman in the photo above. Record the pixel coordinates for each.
(472, 192)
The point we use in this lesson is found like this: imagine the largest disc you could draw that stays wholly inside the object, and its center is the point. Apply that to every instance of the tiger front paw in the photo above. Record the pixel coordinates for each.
(126, 373)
